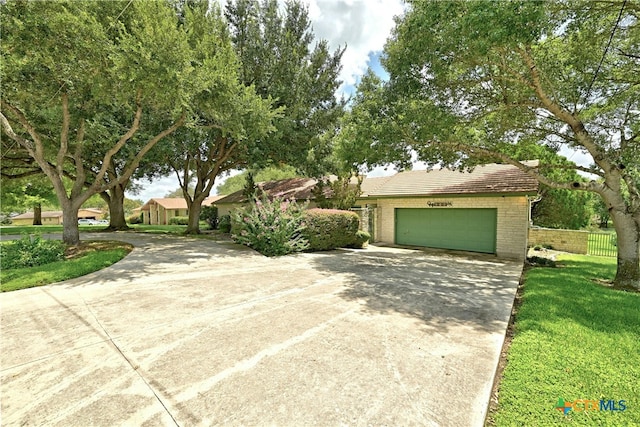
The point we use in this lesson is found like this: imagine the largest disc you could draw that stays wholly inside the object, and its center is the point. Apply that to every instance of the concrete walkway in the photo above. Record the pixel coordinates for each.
(193, 332)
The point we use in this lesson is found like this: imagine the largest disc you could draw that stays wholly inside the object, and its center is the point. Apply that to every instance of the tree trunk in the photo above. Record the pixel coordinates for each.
(628, 238)
(115, 199)
(70, 231)
(37, 214)
(194, 215)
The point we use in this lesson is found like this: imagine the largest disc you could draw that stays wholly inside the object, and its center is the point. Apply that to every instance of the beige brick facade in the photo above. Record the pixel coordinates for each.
(574, 241)
(512, 218)
(158, 215)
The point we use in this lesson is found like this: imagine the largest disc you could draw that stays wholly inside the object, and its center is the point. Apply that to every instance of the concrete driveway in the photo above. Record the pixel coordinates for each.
(193, 332)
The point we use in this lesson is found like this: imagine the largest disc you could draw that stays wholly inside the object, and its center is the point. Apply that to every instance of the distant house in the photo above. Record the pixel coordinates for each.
(55, 217)
(290, 188)
(486, 210)
(160, 211)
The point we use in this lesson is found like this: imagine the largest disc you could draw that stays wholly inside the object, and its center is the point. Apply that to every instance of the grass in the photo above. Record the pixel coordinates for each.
(80, 260)
(21, 229)
(574, 339)
(139, 228)
(158, 229)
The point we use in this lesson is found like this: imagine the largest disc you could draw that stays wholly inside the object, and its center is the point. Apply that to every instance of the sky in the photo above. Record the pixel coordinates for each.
(362, 25)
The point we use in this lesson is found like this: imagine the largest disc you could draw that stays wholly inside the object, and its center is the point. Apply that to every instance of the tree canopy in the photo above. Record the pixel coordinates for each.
(279, 58)
(272, 173)
(88, 88)
(474, 82)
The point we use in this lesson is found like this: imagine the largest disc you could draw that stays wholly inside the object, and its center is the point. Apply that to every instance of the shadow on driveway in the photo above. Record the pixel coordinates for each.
(439, 288)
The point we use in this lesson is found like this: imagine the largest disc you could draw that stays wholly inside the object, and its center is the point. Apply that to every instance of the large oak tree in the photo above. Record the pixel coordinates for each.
(88, 88)
(474, 81)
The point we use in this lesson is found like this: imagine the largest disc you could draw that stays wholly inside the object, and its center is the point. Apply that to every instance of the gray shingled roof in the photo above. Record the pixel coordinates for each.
(290, 188)
(491, 178)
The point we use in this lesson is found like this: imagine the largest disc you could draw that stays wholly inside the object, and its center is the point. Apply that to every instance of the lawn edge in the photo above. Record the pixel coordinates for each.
(493, 404)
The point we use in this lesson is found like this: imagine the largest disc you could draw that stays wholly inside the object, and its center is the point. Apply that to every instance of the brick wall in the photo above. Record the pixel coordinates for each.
(574, 241)
(512, 212)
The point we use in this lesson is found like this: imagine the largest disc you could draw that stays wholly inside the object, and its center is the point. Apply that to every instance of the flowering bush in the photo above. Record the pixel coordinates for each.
(272, 228)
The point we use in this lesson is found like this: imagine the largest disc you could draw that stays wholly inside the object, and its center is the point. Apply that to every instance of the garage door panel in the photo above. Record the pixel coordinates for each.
(459, 229)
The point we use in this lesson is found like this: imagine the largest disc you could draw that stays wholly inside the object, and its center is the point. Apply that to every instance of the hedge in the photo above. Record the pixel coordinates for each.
(327, 229)
(179, 220)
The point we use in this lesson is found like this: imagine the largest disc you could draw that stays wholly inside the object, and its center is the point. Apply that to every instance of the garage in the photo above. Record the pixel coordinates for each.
(469, 229)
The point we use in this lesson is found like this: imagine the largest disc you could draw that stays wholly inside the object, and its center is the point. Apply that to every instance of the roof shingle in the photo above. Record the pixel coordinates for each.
(490, 178)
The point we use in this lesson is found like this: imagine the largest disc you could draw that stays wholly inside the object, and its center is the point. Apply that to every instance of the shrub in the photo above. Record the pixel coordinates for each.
(135, 219)
(537, 261)
(272, 228)
(224, 224)
(360, 240)
(209, 214)
(328, 229)
(30, 251)
(179, 220)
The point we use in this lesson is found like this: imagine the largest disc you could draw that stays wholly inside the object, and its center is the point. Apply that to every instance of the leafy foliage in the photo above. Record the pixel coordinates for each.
(342, 193)
(271, 173)
(76, 107)
(559, 208)
(232, 118)
(272, 228)
(209, 214)
(328, 229)
(135, 219)
(224, 225)
(361, 239)
(274, 45)
(30, 251)
(86, 258)
(179, 220)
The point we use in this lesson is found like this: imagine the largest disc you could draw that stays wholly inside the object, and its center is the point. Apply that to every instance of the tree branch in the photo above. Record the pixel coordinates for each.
(113, 150)
(578, 128)
(31, 147)
(64, 134)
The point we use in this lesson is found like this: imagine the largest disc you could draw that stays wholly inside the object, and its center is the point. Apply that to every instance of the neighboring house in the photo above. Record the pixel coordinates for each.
(290, 188)
(486, 210)
(160, 211)
(55, 217)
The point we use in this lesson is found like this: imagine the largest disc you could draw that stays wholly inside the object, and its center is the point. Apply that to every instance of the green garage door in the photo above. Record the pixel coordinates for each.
(461, 229)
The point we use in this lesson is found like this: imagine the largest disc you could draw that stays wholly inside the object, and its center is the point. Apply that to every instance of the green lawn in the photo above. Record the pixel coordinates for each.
(158, 229)
(85, 259)
(139, 228)
(43, 229)
(574, 339)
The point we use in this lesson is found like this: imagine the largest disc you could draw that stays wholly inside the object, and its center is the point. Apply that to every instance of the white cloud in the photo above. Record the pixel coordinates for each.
(363, 25)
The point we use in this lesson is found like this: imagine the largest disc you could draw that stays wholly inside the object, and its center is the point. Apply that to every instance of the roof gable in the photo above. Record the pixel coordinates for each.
(167, 203)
